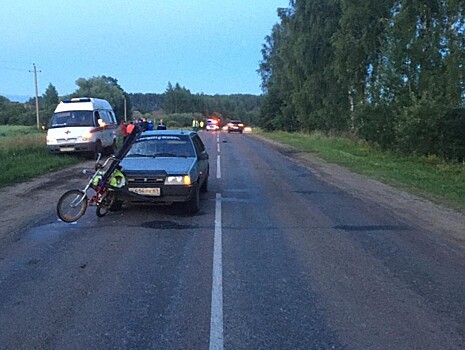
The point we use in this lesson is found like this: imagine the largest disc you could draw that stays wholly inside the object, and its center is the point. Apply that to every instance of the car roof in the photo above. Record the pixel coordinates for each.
(168, 132)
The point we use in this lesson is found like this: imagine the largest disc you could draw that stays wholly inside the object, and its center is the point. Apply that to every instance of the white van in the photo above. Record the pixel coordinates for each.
(82, 125)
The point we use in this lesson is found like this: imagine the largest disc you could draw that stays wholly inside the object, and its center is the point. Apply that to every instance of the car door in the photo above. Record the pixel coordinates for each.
(108, 129)
(202, 156)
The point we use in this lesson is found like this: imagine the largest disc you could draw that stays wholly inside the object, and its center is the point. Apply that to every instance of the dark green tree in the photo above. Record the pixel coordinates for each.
(177, 99)
(276, 111)
(357, 46)
(50, 100)
(106, 88)
(15, 113)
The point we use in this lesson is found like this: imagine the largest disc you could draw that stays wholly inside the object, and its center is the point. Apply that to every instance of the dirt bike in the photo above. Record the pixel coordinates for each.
(104, 182)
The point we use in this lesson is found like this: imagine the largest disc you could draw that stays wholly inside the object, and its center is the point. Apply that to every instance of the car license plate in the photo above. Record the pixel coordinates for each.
(67, 149)
(146, 191)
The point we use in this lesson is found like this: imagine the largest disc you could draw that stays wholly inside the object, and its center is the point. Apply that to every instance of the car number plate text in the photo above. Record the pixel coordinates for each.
(146, 191)
(67, 149)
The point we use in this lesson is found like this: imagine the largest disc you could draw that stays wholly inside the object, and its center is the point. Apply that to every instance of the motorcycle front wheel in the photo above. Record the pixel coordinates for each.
(72, 205)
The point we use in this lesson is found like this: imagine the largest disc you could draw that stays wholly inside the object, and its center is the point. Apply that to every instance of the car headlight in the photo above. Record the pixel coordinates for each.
(87, 136)
(178, 180)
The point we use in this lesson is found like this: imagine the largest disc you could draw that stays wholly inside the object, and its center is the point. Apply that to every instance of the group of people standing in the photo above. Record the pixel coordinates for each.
(145, 125)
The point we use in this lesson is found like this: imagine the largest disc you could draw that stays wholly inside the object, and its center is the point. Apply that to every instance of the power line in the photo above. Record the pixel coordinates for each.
(7, 65)
(15, 69)
(15, 62)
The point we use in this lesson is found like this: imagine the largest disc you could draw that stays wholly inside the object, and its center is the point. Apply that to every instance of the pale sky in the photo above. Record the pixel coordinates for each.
(209, 46)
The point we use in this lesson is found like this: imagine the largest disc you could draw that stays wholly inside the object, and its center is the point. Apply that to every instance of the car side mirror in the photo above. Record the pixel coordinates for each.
(203, 156)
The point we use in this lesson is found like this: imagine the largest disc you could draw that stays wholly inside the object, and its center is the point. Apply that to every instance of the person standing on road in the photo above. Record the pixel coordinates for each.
(130, 128)
(195, 125)
(144, 124)
(123, 130)
(161, 125)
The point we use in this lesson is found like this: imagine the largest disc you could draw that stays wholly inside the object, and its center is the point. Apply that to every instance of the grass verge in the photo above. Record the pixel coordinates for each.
(429, 177)
(23, 155)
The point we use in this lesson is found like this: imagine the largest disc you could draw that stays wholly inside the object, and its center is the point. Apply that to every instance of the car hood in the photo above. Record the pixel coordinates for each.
(171, 165)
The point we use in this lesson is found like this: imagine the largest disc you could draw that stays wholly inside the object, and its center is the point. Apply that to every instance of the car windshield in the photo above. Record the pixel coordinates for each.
(162, 146)
(72, 118)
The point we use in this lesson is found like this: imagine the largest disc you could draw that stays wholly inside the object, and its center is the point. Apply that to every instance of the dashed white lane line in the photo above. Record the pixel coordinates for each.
(218, 158)
(216, 320)
(218, 166)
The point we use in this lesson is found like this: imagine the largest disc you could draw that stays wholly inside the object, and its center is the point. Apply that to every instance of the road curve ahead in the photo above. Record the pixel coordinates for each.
(276, 259)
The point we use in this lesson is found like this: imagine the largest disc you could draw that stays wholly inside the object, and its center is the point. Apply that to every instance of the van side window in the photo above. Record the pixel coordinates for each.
(112, 117)
(105, 117)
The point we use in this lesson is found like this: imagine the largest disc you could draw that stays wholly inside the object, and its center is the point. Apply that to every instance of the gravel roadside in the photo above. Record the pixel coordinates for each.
(22, 205)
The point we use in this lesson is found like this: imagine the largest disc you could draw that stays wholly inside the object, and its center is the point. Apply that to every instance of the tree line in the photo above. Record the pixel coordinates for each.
(176, 100)
(100, 87)
(389, 71)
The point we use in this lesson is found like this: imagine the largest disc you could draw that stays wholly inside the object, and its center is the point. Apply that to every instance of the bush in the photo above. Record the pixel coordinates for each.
(376, 125)
(452, 134)
(418, 129)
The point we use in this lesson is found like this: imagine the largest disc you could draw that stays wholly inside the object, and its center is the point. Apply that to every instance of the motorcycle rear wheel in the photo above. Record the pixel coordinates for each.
(72, 205)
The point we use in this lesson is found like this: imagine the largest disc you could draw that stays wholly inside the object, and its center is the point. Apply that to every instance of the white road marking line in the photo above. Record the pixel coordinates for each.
(216, 320)
(218, 147)
(218, 167)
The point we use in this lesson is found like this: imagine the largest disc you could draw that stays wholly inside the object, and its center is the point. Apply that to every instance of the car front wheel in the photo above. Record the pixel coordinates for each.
(204, 187)
(193, 205)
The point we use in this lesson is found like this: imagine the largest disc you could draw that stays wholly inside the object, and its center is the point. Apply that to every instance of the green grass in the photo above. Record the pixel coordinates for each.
(23, 155)
(429, 177)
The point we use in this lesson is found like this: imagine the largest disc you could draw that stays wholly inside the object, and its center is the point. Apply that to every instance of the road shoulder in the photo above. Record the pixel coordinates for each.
(424, 213)
(24, 204)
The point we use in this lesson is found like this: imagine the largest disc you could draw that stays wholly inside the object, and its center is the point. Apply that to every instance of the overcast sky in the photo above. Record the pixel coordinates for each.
(209, 46)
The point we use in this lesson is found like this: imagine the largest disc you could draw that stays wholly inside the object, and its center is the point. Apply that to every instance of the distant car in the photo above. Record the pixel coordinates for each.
(235, 126)
(165, 167)
(212, 125)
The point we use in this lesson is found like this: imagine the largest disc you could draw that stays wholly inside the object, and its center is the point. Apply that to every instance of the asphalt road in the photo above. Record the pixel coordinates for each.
(276, 259)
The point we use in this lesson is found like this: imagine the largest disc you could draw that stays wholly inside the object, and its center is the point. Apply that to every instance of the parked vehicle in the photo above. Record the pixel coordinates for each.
(166, 167)
(83, 125)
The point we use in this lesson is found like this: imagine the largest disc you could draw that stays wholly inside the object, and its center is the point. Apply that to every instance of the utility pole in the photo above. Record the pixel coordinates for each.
(125, 107)
(37, 95)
